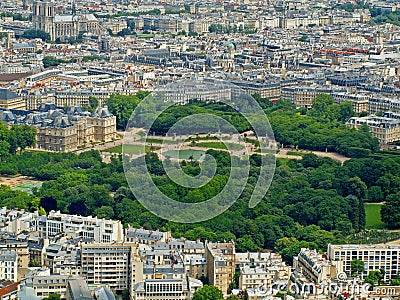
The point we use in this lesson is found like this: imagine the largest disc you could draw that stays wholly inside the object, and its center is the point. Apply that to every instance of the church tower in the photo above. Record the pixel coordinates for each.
(43, 13)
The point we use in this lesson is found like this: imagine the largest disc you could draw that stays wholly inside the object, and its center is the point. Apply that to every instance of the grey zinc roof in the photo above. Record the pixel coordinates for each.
(102, 112)
(7, 94)
(145, 234)
(104, 293)
(79, 289)
(8, 255)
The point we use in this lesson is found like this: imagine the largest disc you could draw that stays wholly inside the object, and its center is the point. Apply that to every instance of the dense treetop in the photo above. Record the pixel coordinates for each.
(310, 203)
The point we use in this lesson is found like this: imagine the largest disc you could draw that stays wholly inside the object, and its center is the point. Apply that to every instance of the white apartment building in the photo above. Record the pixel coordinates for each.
(162, 289)
(45, 283)
(8, 265)
(182, 93)
(100, 230)
(375, 257)
(15, 221)
(253, 278)
(116, 265)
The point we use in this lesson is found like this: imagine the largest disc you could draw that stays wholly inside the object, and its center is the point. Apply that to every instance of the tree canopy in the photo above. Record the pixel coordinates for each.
(208, 292)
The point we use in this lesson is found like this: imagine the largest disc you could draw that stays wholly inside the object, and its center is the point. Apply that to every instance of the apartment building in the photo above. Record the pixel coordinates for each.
(258, 259)
(258, 278)
(375, 257)
(162, 289)
(315, 267)
(377, 105)
(163, 264)
(182, 93)
(22, 250)
(303, 96)
(9, 265)
(269, 90)
(34, 99)
(261, 270)
(78, 97)
(195, 265)
(220, 264)
(42, 77)
(66, 261)
(99, 230)
(360, 102)
(8, 290)
(44, 283)
(16, 221)
(11, 100)
(385, 129)
(115, 25)
(147, 237)
(117, 265)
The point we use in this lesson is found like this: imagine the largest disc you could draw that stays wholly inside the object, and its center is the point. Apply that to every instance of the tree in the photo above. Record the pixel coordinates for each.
(375, 194)
(48, 203)
(4, 150)
(53, 296)
(125, 295)
(93, 102)
(208, 292)
(346, 111)
(390, 211)
(34, 263)
(51, 61)
(246, 243)
(25, 136)
(320, 104)
(105, 212)
(356, 267)
(375, 277)
(122, 106)
(41, 211)
(33, 34)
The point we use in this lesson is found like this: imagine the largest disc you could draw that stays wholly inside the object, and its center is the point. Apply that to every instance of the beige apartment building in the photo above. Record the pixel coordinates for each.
(195, 265)
(359, 102)
(220, 264)
(385, 129)
(11, 100)
(262, 278)
(377, 105)
(315, 267)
